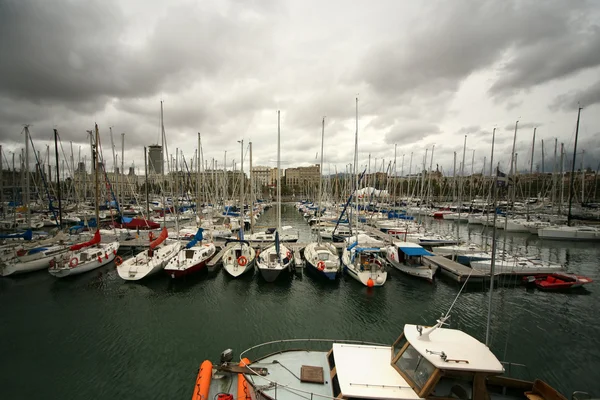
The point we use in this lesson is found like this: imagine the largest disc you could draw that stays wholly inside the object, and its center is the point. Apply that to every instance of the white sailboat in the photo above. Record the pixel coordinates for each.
(84, 257)
(362, 263)
(239, 256)
(151, 261)
(191, 258)
(322, 258)
(277, 257)
(34, 259)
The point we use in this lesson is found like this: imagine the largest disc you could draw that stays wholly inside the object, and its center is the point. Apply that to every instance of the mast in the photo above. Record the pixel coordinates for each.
(59, 222)
(242, 206)
(27, 195)
(356, 169)
(582, 178)
(122, 174)
(146, 182)
(531, 168)
(511, 188)
(562, 178)
(251, 193)
(320, 183)
(198, 167)
(554, 174)
(278, 172)
(572, 177)
(493, 260)
(97, 183)
(162, 162)
(460, 190)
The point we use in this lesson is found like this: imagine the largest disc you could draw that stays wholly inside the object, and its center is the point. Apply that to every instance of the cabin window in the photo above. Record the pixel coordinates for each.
(323, 256)
(398, 345)
(415, 366)
(189, 254)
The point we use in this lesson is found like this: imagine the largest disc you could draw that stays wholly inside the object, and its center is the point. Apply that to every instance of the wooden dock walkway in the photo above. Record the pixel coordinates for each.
(456, 271)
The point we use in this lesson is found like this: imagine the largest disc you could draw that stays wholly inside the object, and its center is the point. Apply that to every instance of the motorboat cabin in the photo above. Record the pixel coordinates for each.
(423, 363)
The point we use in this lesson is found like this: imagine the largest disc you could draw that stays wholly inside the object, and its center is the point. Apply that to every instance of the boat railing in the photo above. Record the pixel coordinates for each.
(509, 367)
(282, 345)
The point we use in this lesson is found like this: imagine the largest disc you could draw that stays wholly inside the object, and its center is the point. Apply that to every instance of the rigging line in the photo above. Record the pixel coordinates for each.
(459, 292)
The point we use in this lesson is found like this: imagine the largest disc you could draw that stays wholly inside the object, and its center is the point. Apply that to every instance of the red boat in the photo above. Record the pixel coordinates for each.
(557, 281)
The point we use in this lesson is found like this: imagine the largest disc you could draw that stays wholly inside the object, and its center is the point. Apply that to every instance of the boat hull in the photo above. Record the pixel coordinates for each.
(327, 273)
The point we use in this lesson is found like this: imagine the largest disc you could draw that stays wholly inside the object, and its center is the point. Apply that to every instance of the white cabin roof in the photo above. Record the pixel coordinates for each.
(366, 372)
(457, 345)
(407, 244)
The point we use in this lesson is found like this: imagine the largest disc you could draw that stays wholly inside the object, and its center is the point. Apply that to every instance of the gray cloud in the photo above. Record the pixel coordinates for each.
(450, 69)
(585, 97)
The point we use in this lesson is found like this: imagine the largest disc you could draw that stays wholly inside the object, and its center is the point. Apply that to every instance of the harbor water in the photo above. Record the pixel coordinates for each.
(96, 336)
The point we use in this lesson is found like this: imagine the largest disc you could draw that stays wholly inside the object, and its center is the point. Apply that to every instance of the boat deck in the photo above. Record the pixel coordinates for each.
(285, 369)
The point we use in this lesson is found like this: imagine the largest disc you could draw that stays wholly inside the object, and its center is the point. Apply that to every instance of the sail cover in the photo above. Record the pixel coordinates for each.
(197, 238)
(95, 240)
(161, 238)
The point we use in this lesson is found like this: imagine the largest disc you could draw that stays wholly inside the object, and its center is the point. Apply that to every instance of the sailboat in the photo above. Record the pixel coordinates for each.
(84, 257)
(34, 259)
(239, 256)
(151, 261)
(362, 263)
(192, 258)
(277, 257)
(321, 257)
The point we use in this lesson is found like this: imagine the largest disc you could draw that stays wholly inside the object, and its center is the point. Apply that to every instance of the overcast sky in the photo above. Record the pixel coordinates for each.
(425, 73)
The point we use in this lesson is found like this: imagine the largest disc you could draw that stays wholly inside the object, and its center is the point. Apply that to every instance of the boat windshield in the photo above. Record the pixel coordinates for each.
(415, 366)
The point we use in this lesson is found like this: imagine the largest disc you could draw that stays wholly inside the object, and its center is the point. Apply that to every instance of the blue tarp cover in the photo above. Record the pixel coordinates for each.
(415, 251)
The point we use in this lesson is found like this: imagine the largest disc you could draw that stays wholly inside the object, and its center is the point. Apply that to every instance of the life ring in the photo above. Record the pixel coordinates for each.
(321, 265)
(288, 255)
(73, 262)
(21, 252)
(118, 260)
(242, 261)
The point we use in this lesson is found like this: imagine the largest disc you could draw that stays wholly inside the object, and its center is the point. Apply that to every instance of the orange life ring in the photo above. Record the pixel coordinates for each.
(288, 255)
(118, 260)
(73, 262)
(242, 261)
(321, 265)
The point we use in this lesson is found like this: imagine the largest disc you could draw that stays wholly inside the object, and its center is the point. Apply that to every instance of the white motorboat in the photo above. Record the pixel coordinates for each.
(407, 257)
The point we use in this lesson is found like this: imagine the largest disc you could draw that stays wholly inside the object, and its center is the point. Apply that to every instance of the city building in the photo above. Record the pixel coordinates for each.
(302, 175)
(261, 176)
(155, 159)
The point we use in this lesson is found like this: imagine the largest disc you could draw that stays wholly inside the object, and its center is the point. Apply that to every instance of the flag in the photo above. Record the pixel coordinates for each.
(501, 179)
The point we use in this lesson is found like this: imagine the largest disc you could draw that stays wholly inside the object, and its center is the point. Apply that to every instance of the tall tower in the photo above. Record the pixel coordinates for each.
(155, 159)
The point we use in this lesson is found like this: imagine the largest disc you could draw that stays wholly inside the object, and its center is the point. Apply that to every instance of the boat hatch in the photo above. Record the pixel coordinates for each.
(83, 257)
(189, 254)
(310, 374)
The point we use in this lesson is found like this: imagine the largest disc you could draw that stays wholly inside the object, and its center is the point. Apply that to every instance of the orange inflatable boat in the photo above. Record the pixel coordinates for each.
(242, 390)
(203, 381)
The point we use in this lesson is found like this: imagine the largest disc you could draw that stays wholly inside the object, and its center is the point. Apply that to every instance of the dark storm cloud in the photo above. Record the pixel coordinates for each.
(460, 38)
(73, 51)
(578, 98)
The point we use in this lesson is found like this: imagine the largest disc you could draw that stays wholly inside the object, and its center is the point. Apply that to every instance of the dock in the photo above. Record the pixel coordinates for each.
(460, 273)
(456, 271)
